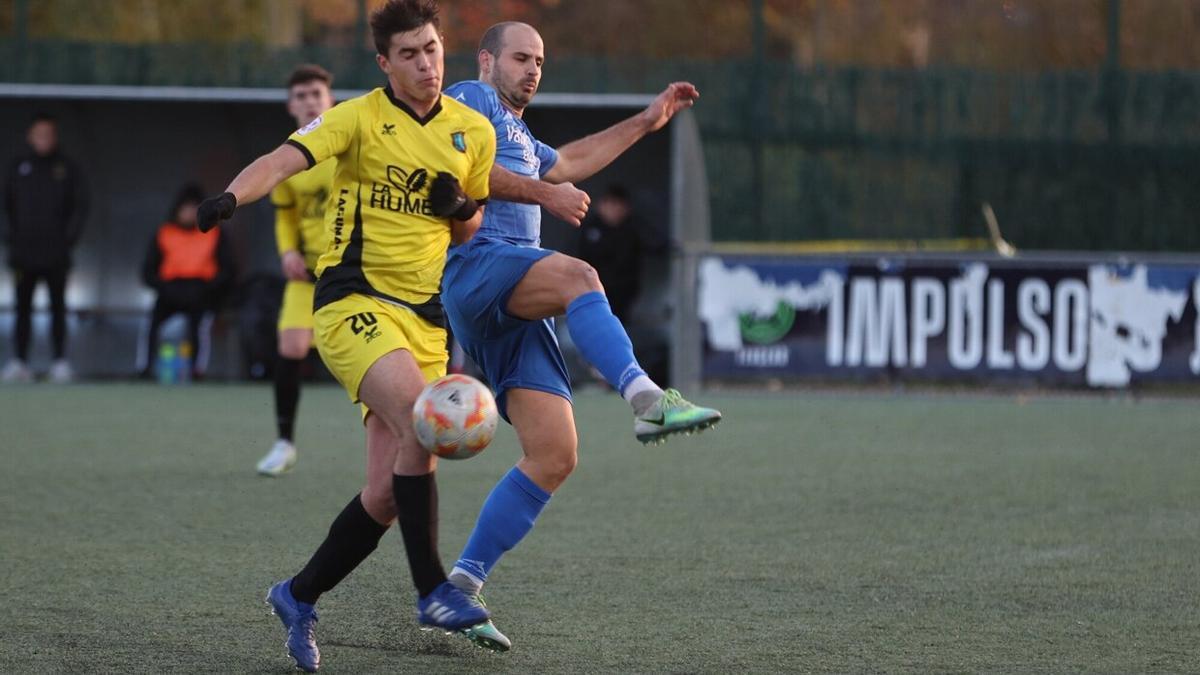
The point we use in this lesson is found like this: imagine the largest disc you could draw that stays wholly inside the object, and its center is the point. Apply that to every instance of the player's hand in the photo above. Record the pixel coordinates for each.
(293, 265)
(676, 97)
(446, 195)
(215, 209)
(568, 203)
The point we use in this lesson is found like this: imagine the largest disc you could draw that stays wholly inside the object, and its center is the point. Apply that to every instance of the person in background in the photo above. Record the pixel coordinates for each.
(301, 236)
(610, 241)
(46, 202)
(190, 270)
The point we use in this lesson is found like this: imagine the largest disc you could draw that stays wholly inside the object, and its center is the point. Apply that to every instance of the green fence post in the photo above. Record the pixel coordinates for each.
(757, 119)
(21, 26)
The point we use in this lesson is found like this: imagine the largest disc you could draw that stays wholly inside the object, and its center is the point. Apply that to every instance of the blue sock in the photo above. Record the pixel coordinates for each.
(602, 339)
(505, 519)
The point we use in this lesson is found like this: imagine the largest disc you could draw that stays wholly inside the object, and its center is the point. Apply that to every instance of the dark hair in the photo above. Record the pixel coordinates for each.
(309, 72)
(190, 193)
(493, 38)
(617, 191)
(401, 16)
(43, 116)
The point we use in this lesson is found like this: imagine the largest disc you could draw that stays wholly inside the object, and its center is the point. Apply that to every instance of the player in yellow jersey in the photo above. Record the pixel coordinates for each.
(411, 175)
(300, 235)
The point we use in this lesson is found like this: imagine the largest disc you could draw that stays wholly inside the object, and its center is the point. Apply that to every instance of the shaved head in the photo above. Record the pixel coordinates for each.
(510, 59)
(493, 39)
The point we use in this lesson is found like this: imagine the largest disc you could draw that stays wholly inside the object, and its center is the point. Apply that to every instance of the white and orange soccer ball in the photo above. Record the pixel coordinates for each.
(455, 417)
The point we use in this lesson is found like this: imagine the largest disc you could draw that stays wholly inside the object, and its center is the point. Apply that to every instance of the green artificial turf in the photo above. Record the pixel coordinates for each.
(810, 532)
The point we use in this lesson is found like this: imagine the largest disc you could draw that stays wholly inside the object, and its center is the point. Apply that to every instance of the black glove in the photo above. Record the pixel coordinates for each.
(215, 209)
(448, 200)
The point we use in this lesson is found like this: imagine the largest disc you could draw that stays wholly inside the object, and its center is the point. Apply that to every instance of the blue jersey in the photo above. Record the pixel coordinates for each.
(516, 150)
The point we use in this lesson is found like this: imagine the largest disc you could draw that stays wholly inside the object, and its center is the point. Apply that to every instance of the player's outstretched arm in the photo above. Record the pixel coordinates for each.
(253, 183)
(581, 159)
(563, 200)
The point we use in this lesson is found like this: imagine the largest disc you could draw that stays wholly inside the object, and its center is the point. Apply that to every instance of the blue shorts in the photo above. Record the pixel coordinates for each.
(513, 353)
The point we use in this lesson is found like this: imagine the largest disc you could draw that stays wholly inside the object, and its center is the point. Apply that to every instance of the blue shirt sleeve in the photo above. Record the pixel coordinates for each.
(473, 93)
(547, 155)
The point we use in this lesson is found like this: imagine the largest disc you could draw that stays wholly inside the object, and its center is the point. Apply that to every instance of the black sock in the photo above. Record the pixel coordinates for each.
(287, 395)
(352, 537)
(416, 509)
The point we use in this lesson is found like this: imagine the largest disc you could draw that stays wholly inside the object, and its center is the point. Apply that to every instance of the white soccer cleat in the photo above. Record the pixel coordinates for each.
(16, 372)
(279, 460)
(61, 372)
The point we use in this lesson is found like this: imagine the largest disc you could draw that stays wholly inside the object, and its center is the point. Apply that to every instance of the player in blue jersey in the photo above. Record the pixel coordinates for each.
(501, 292)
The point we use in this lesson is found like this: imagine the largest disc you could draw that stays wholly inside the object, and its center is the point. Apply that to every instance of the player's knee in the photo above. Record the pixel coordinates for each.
(379, 503)
(558, 466)
(293, 346)
(565, 463)
(584, 279)
(290, 350)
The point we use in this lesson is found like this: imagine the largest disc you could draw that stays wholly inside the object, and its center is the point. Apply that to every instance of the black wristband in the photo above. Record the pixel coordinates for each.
(467, 210)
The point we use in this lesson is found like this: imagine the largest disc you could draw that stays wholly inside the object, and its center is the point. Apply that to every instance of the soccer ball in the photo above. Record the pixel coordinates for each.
(455, 417)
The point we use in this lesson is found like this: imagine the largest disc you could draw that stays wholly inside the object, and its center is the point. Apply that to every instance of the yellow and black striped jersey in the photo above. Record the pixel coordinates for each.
(384, 239)
(300, 212)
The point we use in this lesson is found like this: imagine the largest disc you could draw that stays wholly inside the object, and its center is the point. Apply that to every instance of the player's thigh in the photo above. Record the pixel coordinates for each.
(550, 285)
(545, 426)
(356, 331)
(479, 279)
(389, 389)
(382, 446)
(295, 343)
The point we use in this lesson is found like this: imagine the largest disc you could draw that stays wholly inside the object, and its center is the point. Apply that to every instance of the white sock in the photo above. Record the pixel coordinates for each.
(640, 384)
(465, 581)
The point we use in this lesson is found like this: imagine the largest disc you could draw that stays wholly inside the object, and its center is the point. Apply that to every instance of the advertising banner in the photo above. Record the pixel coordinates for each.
(1039, 321)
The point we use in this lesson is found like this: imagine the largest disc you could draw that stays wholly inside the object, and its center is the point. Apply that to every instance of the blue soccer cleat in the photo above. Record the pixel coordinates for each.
(450, 609)
(299, 618)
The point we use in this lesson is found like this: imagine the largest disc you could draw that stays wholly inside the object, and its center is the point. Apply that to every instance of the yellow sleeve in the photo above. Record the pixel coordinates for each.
(287, 218)
(329, 135)
(484, 142)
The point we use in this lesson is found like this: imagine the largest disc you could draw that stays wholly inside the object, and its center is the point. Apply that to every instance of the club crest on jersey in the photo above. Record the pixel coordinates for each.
(311, 126)
(459, 139)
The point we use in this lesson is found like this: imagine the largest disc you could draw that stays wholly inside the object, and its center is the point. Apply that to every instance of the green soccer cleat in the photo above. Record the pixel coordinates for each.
(486, 635)
(673, 414)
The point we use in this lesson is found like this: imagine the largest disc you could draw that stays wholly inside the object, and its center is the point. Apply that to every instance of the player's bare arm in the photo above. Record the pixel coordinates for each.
(253, 183)
(263, 174)
(563, 200)
(461, 231)
(581, 159)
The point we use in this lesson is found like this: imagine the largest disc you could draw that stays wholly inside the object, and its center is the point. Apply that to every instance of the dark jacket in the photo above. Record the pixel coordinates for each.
(46, 204)
(615, 252)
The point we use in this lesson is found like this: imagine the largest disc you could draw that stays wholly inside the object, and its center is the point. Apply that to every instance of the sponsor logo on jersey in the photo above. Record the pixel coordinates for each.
(403, 192)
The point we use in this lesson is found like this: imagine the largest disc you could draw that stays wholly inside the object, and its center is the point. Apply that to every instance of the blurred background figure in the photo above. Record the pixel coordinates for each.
(611, 241)
(301, 237)
(46, 202)
(190, 271)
